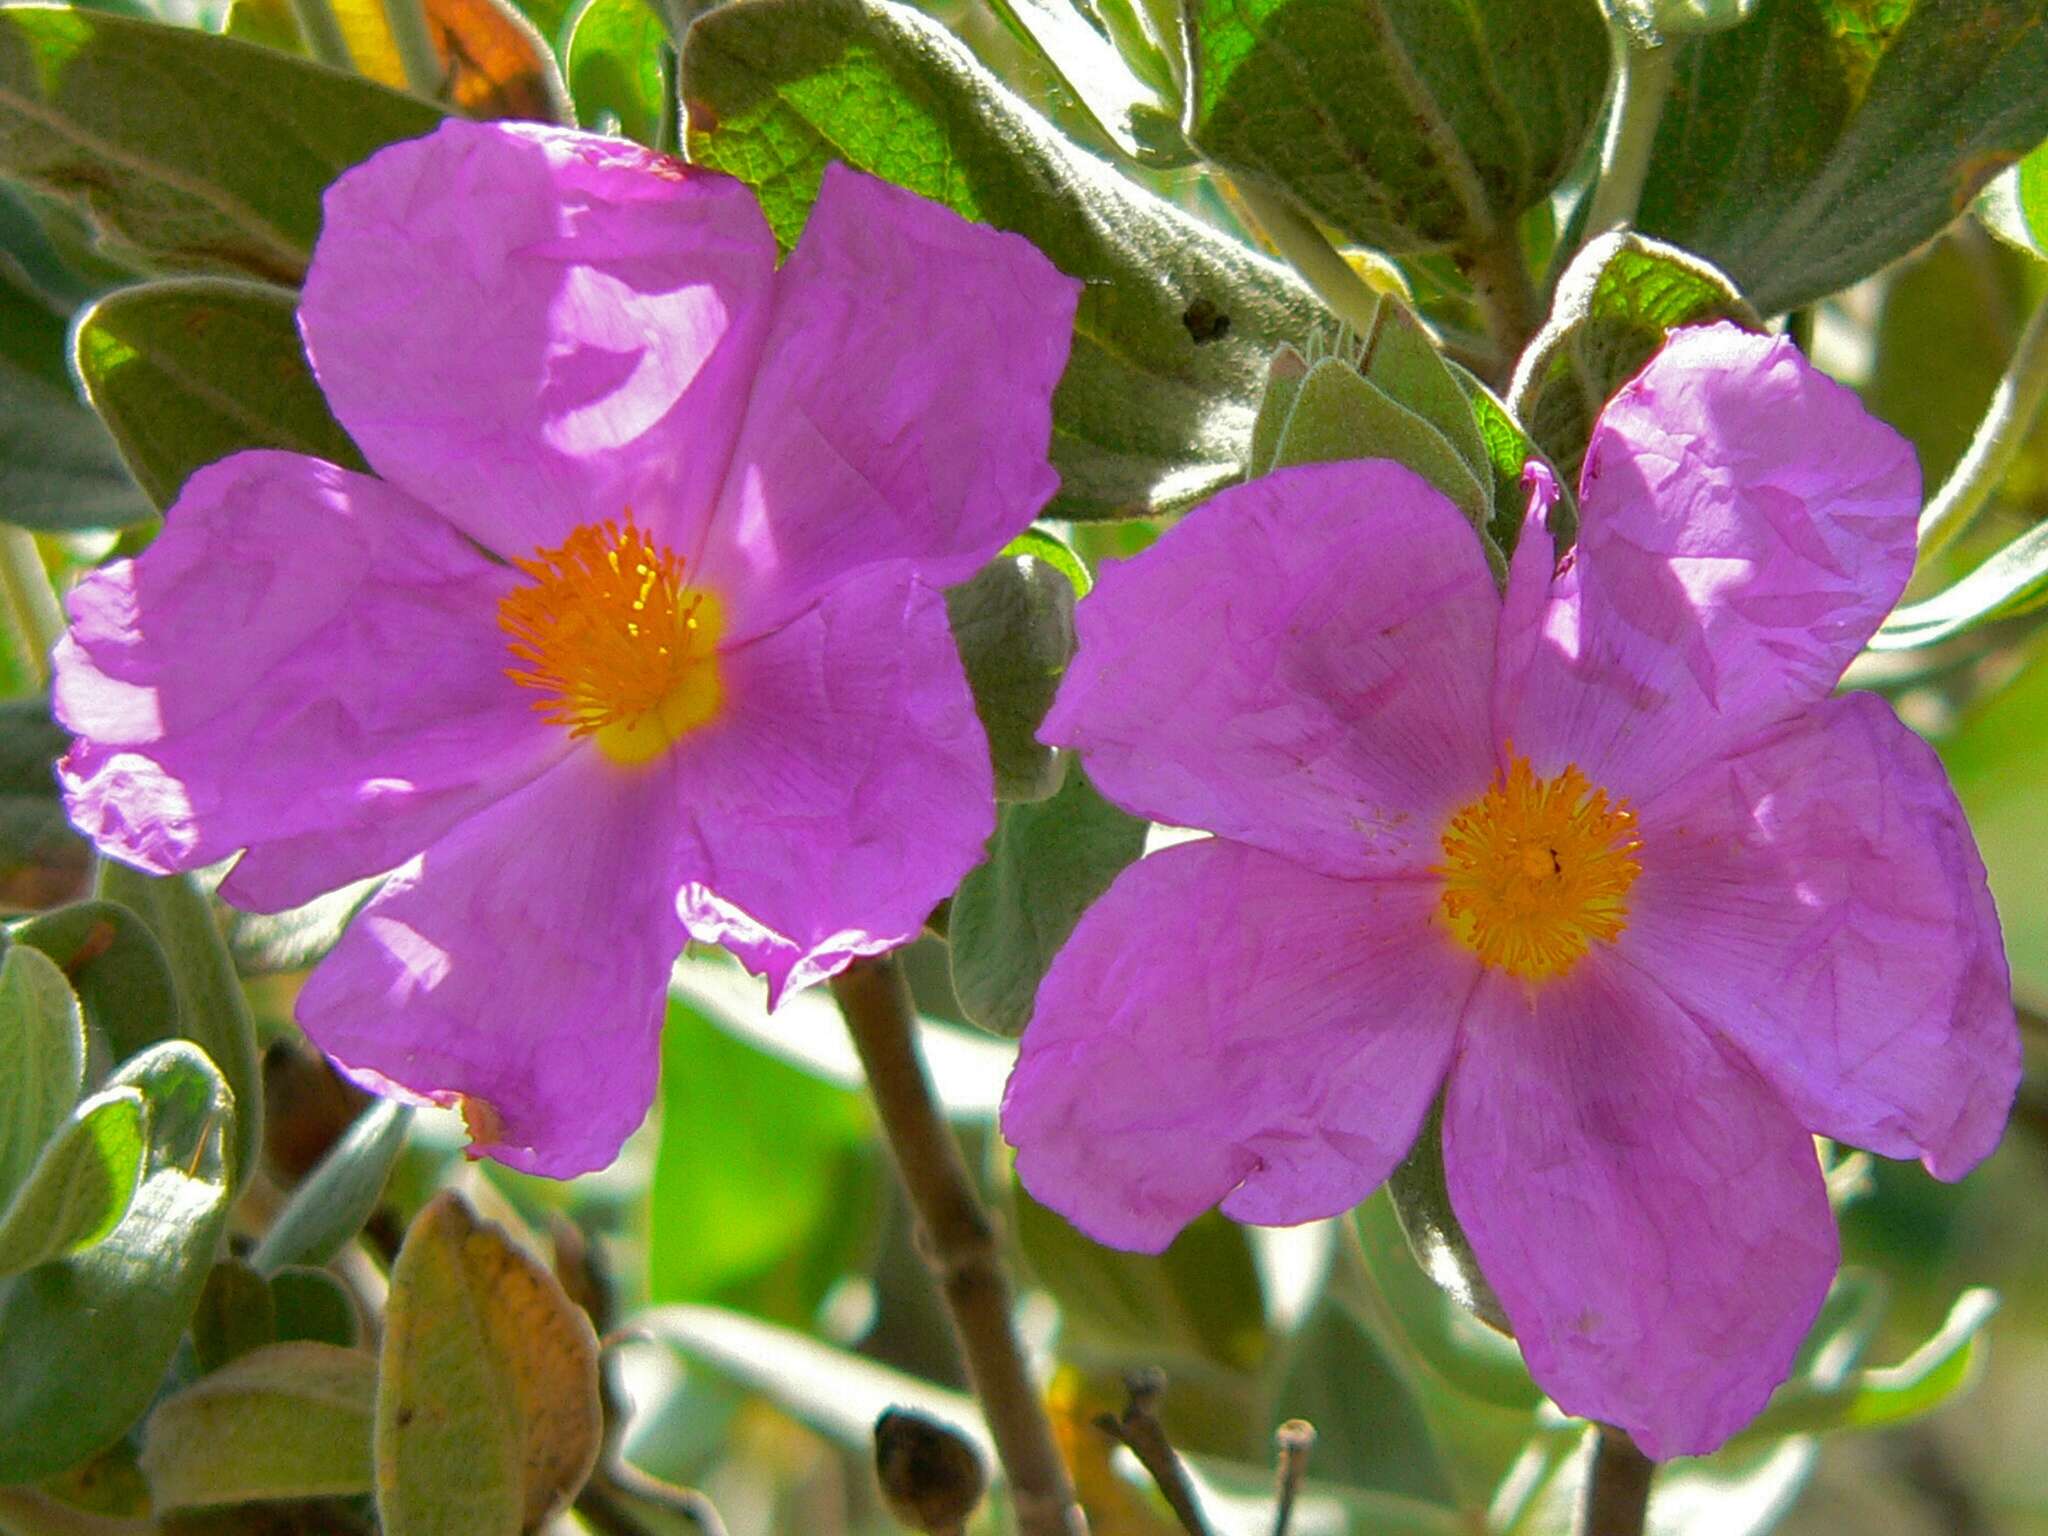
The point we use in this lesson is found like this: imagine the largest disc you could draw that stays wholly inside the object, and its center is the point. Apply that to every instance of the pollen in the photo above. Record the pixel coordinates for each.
(618, 646)
(1536, 870)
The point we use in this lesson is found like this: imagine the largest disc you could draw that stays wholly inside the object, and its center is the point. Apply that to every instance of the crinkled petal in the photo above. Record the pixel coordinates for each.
(1744, 527)
(519, 968)
(306, 663)
(530, 328)
(1225, 1025)
(903, 407)
(1303, 664)
(1651, 1215)
(1818, 899)
(845, 789)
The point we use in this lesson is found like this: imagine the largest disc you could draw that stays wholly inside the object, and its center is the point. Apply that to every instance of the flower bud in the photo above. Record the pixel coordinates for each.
(931, 1474)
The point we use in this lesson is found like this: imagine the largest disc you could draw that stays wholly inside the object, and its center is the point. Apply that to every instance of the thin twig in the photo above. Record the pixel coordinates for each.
(959, 1243)
(1141, 1432)
(1618, 1487)
(1295, 1439)
(412, 35)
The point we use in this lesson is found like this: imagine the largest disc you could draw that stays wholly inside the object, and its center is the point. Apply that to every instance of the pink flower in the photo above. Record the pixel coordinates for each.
(637, 634)
(1605, 854)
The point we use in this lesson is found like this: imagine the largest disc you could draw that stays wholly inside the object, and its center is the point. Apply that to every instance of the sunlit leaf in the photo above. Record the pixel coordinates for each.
(290, 1421)
(87, 1338)
(614, 63)
(42, 1042)
(80, 1187)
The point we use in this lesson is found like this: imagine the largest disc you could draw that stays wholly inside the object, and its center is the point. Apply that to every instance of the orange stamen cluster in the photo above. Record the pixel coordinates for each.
(612, 639)
(1536, 869)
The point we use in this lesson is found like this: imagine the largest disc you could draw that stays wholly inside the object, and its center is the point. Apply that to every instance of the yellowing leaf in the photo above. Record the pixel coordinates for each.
(494, 64)
(488, 1419)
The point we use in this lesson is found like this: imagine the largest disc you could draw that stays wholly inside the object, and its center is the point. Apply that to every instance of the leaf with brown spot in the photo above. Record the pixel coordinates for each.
(488, 1419)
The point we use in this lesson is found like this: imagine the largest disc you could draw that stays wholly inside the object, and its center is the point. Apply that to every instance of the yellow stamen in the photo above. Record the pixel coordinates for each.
(618, 647)
(1536, 869)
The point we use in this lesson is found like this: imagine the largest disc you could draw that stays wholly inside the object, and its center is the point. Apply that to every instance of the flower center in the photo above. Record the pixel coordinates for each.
(1536, 869)
(616, 645)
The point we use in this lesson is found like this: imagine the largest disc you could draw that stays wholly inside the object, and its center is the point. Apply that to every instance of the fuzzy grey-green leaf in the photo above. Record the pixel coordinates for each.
(191, 150)
(1406, 125)
(87, 1338)
(1145, 419)
(42, 1043)
(1046, 864)
(190, 370)
(1014, 624)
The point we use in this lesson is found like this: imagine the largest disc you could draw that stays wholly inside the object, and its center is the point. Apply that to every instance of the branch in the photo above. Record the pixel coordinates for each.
(1141, 1432)
(1295, 1439)
(959, 1243)
(1618, 1487)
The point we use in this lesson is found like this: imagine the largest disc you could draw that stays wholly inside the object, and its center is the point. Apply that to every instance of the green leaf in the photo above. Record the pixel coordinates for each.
(1131, 117)
(1285, 371)
(87, 1338)
(1041, 545)
(837, 1393)
(80, 1187)
(1616, 301)
(1422, 1202)
(1014, 624)
(1199, 1301)
(2012, 581)
(754, 1166)
(311, 1305)
(1803, 150)
(265, 943)
(1145, 419)
(614, 65)
(1340, 414)
(30, 744)
(235, 1315)
(1047, 863)
(1463, 1353)
(2015, 204)
(1370, 1432)
(190, 370)
(330, 1206)
(290, 1421)
(116, 967)
(59, 470)
(42, 1041)
(487, 1416)
(1405, 125)
(1508, 452)
(212, 1011)
(1888, 1395)
(968, 1068)
(191, 150)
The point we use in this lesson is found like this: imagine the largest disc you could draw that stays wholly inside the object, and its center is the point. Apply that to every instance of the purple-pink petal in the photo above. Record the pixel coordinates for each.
(1650, 1214)
(531, 329)
(305, 662)
(902, 408)
(1302, 664)
(845, 789)
(1817, 898)
(1225, 1025)
(1744, 527)
(522, 962)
